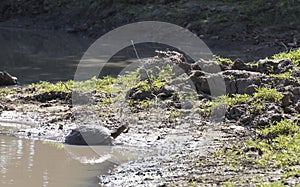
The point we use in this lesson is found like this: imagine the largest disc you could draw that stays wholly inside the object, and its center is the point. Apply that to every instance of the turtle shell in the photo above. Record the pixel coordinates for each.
(89, 136)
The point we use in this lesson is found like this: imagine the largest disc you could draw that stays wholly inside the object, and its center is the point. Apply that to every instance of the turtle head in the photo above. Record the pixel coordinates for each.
(119, 130)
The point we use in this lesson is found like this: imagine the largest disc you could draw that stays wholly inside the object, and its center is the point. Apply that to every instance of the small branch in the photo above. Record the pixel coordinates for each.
(141, 62)
(66, 86)
(286, 48)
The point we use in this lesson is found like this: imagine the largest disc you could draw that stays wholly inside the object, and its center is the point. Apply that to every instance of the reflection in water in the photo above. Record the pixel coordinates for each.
(35, 163)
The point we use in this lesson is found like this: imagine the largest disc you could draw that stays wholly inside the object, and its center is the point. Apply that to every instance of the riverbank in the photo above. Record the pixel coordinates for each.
(189, 137)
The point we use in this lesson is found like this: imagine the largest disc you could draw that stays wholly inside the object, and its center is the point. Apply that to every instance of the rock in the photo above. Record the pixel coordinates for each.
(167, 91)
(50, 96)
(237, 81)
(251, 89)
(240, 65)
(139, 94)
(6, 79)
(295, 73)
(287, 99)
(206, 66)
(264, 120)
(296, 94)
(297, 106)
(275, 66)
(225, 66)
(60, 127)
(236, 112)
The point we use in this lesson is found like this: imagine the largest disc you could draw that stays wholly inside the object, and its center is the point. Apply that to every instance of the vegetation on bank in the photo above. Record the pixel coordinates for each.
(94, 83)
(293, 55)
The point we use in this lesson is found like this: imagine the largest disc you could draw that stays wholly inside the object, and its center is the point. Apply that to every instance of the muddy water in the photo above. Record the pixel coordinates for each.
(39, 164)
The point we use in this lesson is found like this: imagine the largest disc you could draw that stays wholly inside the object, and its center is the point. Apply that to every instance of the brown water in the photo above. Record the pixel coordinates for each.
(37, 163)
(34, 163)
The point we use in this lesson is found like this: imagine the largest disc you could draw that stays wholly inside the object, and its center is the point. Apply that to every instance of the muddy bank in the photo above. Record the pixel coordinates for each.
(259, 94)
(173, 117)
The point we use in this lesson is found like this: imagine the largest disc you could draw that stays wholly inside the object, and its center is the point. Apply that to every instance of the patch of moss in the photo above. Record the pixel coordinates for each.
(44, 86)
(280, 144)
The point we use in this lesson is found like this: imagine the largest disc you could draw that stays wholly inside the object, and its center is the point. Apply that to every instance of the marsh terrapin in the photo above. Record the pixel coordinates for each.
(98, 135)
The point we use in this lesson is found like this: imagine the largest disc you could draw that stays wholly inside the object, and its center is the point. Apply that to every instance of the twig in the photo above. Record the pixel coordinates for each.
(144, 68)
(286, 48)
(141, 62)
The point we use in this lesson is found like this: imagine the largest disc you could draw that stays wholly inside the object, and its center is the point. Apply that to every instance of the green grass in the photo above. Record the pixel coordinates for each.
(232, 100)
(279, 147)
(150, 79)
(221, 60)
(282, 128)
(271, 184)
(268, 94)
(94, 83)
(280, 144)
(293, 55)
(44, 86)
(5, 91)
(256, 102)
(282, 75)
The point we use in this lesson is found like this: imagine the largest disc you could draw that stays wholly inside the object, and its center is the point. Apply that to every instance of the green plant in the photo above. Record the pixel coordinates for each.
(276, 146)
(44, 86)
(268, 94)
(7, 91)
(293, 55)
(284, 127)
(279, 144)
(221, 60)
(94, 83)
(282, 75)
